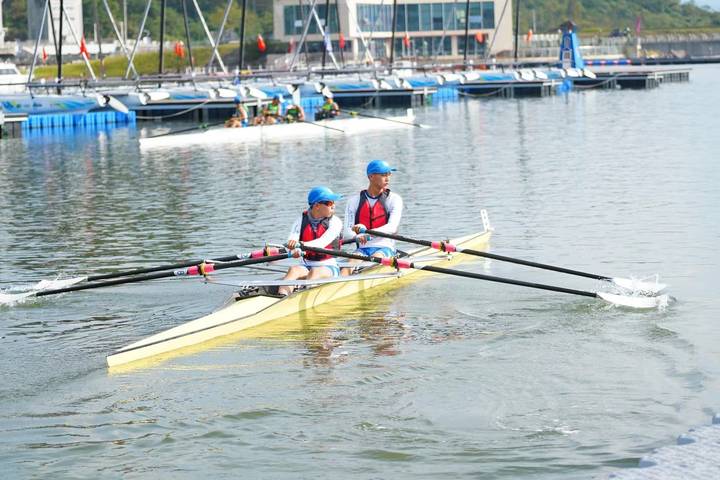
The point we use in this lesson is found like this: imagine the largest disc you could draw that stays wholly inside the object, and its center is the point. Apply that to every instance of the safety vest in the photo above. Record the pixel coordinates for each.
(374, 217)
(293, 112)
(308, 233)
(328, 106)
(273, 109)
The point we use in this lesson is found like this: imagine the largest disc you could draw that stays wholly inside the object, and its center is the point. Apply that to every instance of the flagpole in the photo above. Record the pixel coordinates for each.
(59, 52)
(467, 31)
(392, 38)
(241, 61)
(162, 37)
(326, 40)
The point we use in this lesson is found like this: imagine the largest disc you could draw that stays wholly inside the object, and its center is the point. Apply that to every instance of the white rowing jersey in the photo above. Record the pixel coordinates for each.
(335, 228)
(394, 204)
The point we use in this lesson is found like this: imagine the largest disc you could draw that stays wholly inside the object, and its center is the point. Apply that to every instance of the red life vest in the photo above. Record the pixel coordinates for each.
(307, 233)
(374, 217)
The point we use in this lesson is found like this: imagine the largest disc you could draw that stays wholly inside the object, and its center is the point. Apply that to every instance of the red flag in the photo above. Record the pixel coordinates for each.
(291, 45)
(406, 40)
(83, 48)
(44, 55)
(638, 25)
(261, 44)
(341, 41)
(528, 37)
(480, 37)
(180, 49)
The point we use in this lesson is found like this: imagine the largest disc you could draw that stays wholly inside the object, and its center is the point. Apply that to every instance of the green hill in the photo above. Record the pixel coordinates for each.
(592, 16)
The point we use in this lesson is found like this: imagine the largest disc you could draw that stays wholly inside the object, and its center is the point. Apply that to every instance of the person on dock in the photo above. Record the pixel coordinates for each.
(374, 208)
(240, 117)
(316, 227)
(329, 109)
(294, 113)
(271, 114)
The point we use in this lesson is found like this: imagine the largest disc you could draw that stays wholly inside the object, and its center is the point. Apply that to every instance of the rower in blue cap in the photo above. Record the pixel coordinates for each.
(316, 227)
(240, 117)
(374, 208)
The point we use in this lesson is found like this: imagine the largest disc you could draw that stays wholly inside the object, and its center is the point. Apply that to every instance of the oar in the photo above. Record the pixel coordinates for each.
(626, 283)
(354, 112)
(202, 268)
(324, 126)
(139, 271)
(399, 263)
(51, 285)
(202, 126)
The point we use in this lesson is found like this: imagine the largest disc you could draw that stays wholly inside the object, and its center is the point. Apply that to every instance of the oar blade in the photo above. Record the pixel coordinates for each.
(57, 284)
(643, 303)
(11, 299)
(640, 286)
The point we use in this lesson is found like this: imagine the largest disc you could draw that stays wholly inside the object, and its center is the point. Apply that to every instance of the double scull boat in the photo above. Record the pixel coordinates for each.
(279, 132)
(244, 312)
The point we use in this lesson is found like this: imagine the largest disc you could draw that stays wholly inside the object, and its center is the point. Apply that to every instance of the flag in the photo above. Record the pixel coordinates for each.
(341, 41)
(44, 55)
(638, 25)
(480, 37)
(83, 48)
(406, 40)
(291, 46)
(327, 42)
(261, 44)
(180, 49)
(528, 37)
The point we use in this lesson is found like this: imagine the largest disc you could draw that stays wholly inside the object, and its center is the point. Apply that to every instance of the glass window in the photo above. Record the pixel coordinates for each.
(488, 14)
(413, 18)
(437, 16)
(401, 24)
(425, 16)
(449, 17)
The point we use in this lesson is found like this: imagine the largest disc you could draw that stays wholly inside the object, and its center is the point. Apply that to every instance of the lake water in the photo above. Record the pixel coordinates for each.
(444, 378)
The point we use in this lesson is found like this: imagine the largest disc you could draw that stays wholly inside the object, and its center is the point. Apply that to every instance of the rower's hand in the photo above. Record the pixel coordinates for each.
(359, 228)
(297, 253)
(363, 238)
(291, 244)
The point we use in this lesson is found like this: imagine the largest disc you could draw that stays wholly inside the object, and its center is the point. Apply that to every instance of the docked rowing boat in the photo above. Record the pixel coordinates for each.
(279, 132)
(241, 313)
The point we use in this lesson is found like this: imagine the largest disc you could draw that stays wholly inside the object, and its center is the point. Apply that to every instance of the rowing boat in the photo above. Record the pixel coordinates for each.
(279, 132)
(247, 312)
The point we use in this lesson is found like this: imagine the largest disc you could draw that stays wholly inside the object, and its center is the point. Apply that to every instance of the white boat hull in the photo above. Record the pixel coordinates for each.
(278, 132)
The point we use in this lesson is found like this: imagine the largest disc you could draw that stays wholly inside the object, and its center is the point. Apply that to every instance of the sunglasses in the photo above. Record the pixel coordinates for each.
(328, 203)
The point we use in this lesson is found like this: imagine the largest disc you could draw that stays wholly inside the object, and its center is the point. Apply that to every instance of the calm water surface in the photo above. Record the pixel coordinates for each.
(443, 378)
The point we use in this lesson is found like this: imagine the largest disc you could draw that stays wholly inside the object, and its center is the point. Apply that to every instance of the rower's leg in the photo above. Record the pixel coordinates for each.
(296, 272)
(317, 273)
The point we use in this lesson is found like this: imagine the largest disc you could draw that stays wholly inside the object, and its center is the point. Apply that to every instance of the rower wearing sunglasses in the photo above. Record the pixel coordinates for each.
(317, 227)
(374, 208)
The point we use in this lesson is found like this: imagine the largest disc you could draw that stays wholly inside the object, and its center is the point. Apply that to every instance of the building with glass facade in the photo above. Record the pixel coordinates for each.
(425, 29)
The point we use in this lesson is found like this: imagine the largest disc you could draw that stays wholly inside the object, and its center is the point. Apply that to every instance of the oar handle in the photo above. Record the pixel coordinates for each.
(445, 246)
(200, 269)
(401, 263)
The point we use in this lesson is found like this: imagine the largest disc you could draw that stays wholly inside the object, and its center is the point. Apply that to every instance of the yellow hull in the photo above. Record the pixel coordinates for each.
(253, 311)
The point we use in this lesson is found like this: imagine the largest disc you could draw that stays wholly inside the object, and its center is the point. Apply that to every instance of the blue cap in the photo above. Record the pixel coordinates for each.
(237, 99)
(322, 194)
(379, 166)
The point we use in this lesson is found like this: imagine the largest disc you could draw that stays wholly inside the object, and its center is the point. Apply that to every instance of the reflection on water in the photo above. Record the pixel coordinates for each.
(442, 376)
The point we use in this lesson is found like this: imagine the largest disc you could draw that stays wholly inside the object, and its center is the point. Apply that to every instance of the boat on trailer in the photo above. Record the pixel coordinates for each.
(279, 131)
(244, 312)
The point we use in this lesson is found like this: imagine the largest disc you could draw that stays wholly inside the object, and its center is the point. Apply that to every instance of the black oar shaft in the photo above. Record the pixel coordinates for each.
(159, 268)
(493, 256)
(448, 271)
(158, 275)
